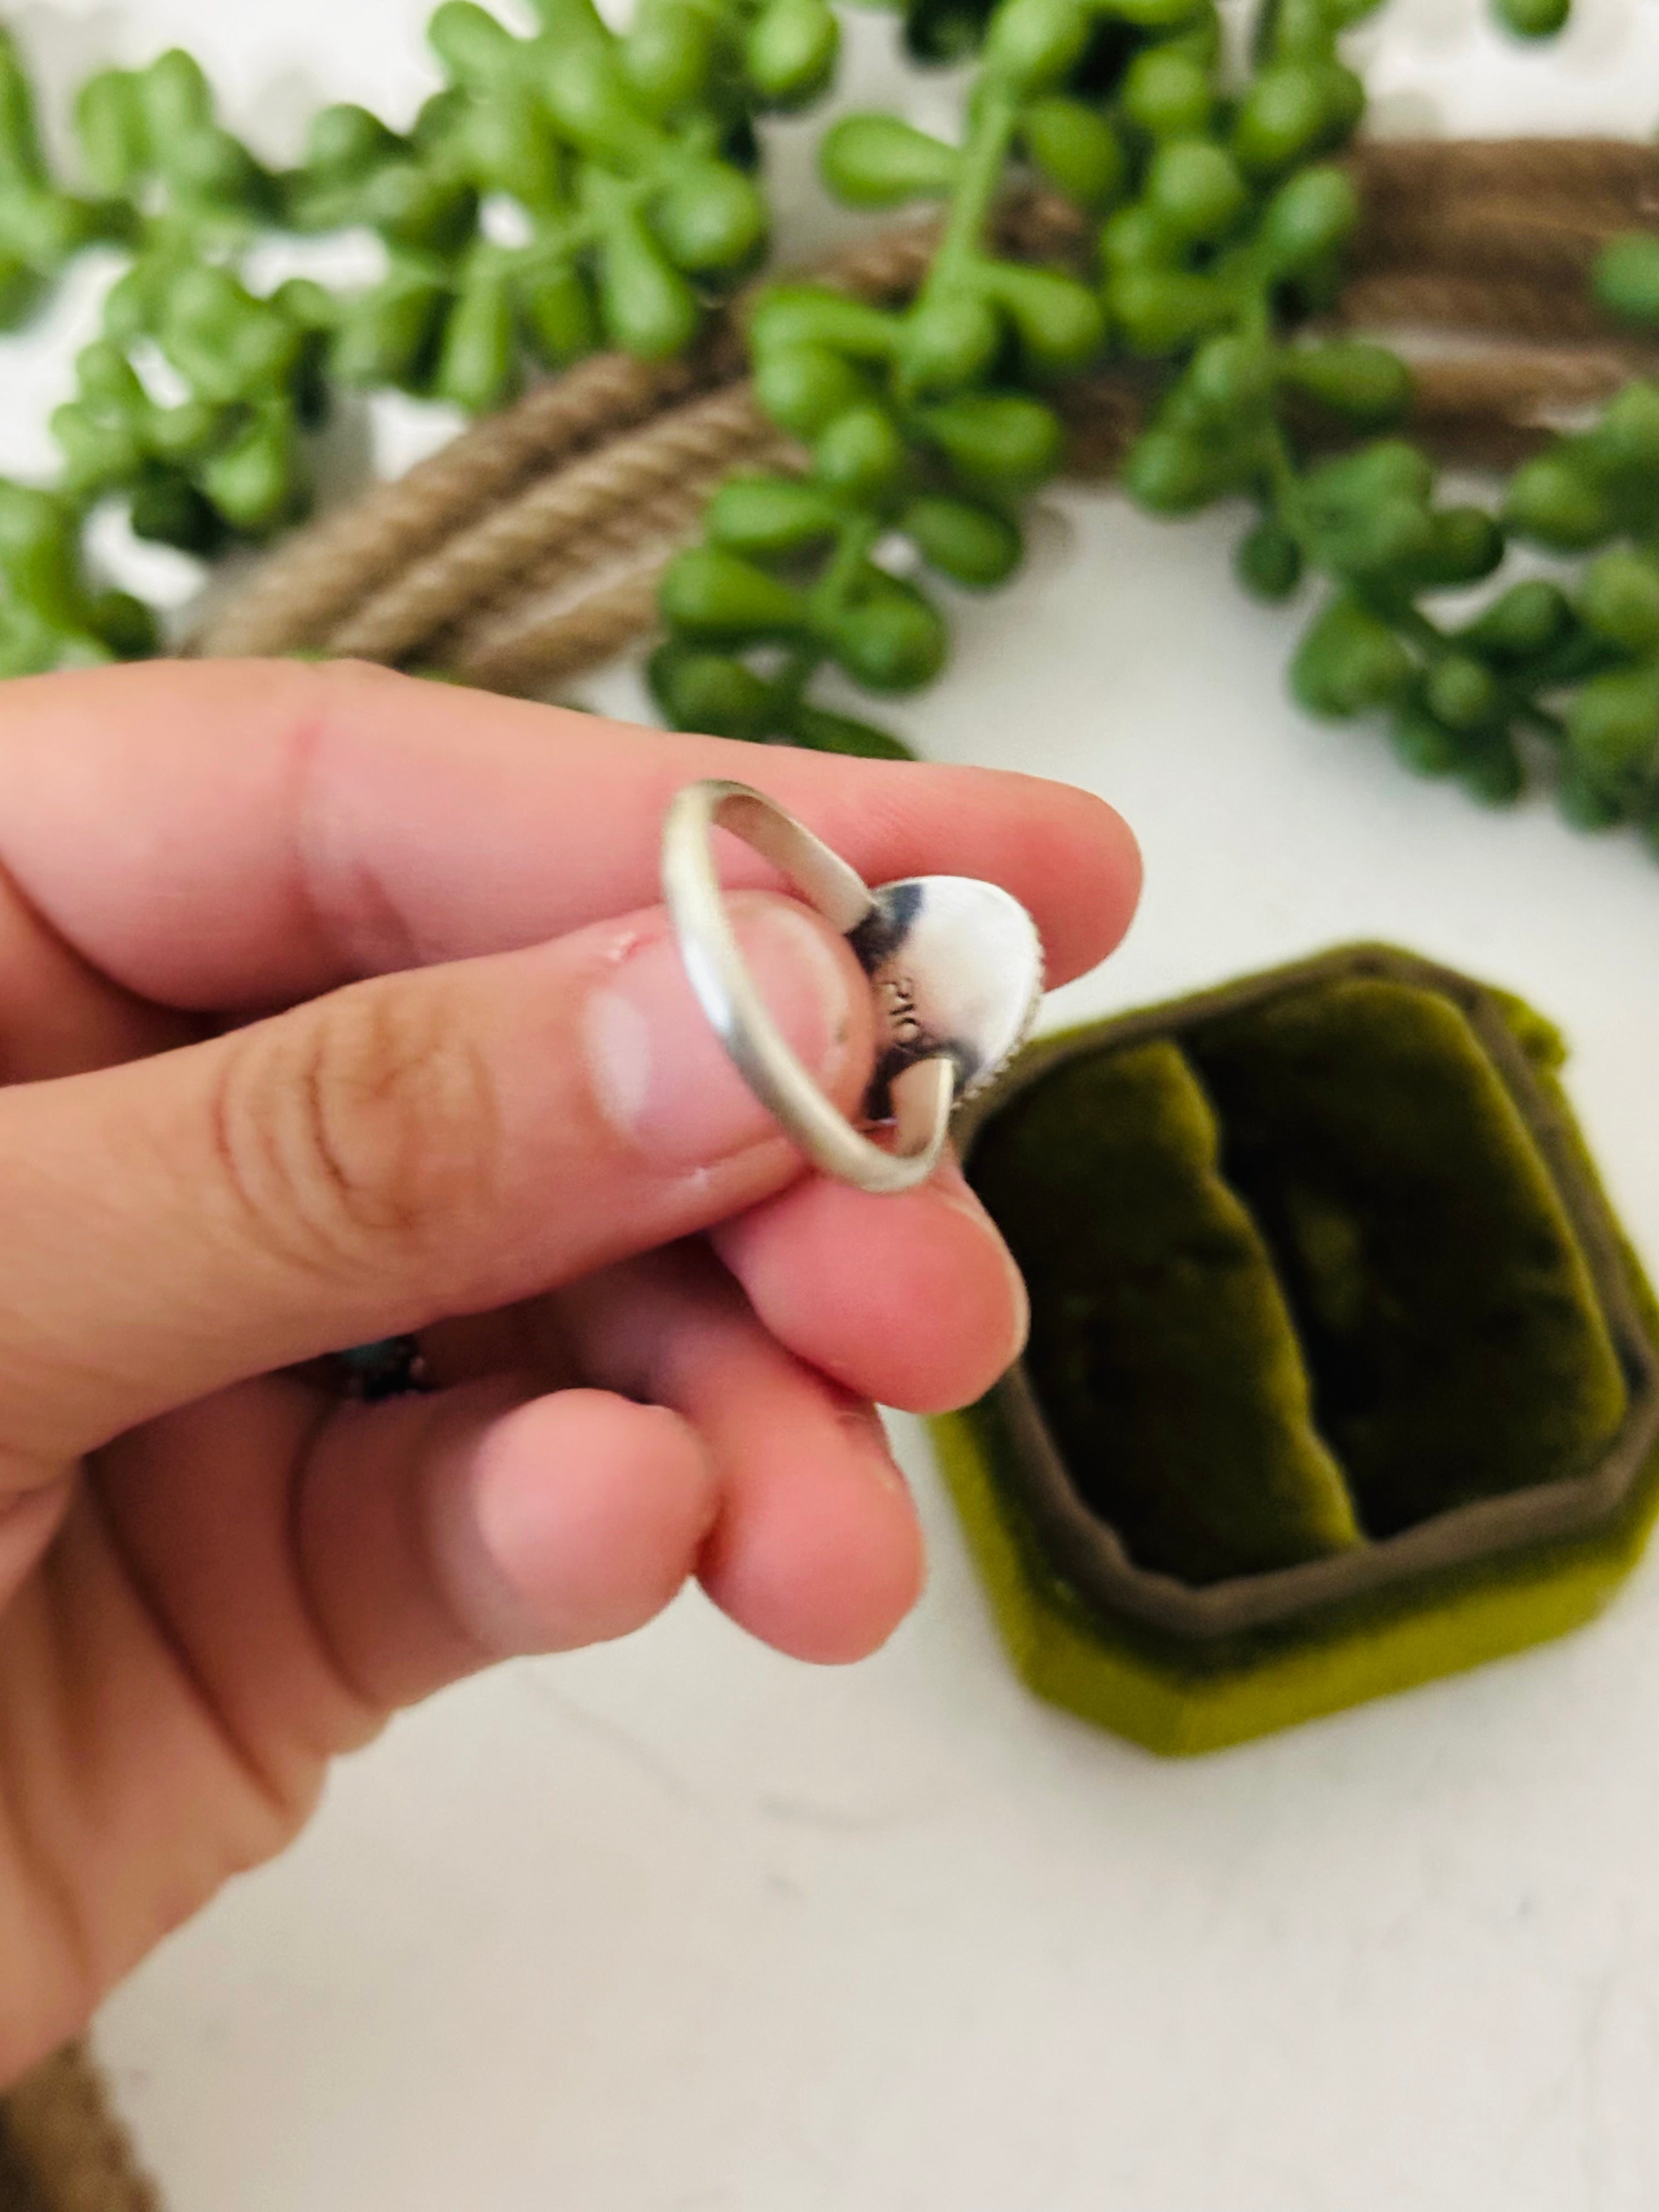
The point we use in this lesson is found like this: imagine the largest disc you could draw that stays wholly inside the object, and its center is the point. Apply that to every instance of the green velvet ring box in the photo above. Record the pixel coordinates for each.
(1341, 1374)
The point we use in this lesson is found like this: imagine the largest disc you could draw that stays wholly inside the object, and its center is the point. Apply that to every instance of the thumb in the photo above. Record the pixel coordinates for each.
(436, 1142)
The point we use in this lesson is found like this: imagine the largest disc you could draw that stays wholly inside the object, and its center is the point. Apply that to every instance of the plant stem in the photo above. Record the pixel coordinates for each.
(857, 535)
(984, 157)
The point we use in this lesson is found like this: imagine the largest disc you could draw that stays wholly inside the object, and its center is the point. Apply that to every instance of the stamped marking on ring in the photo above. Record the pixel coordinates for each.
(955, 967)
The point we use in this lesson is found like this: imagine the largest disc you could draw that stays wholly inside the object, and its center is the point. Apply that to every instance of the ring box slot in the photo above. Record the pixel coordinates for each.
(1341, 1374)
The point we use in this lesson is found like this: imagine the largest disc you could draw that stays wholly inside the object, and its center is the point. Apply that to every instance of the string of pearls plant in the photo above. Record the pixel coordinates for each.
(1215, 211)
(627, 162)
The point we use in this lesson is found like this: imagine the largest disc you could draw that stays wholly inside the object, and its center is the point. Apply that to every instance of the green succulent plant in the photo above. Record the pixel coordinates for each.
(580, 187)
(620, 166)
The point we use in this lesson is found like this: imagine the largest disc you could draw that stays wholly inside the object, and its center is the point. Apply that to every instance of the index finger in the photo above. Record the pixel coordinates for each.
(226, 835)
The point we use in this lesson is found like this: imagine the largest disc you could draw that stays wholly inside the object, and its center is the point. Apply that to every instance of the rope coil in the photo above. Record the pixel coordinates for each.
(75, 2153)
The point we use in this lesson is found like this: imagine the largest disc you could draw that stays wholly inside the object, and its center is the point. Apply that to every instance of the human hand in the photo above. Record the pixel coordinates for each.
(335, 1005)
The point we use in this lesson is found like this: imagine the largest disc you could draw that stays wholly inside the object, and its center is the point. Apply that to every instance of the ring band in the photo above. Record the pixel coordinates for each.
(922, 1077)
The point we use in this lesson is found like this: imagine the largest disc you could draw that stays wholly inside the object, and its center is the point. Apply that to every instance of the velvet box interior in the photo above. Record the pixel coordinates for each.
(1341, 1374)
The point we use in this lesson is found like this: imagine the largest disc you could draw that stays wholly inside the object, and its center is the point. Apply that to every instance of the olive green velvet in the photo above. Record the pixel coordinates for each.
(1444, 1307)
(1181, 1694)
(1161, 1350)
(1180, 1697)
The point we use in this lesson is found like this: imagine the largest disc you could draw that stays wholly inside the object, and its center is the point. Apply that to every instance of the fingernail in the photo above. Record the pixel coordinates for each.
(662, 1076)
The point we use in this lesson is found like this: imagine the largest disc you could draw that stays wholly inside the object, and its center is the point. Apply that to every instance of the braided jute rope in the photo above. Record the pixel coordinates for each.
(503, 647)
(565, 642)
(65, 2141)
(348, 554)
(694, 443)
(1621, 174)
(1545, 246)
(1441, 300)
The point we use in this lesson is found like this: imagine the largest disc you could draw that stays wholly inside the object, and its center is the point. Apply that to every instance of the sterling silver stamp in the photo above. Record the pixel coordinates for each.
(955, 966)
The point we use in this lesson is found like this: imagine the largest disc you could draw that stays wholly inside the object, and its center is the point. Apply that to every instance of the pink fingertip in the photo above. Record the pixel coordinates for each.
(822, 1570)
(587, 1515)
(914, 1301)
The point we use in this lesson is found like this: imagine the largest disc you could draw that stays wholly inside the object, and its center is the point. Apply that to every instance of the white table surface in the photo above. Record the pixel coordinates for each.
(678, 1925)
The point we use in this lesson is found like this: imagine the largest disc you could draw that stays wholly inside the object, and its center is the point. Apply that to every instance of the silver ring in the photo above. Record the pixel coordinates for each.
(956, 969)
